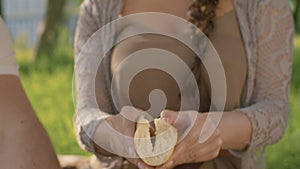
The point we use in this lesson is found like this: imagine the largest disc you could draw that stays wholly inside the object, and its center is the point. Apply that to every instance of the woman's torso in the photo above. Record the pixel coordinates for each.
(227, 40)
(225, 37)
(145, 81)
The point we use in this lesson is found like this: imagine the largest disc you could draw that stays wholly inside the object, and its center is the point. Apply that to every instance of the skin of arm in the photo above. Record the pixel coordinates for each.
(23, 141)
(236, 130)
(233, 132)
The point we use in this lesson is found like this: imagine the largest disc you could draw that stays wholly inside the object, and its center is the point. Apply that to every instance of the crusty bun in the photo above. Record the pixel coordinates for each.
(165, 141)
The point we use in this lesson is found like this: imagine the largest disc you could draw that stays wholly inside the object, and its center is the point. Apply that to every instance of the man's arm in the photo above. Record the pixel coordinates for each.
(23, 140)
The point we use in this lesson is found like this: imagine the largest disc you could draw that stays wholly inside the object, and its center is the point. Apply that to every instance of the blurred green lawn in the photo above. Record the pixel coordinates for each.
(49, 87)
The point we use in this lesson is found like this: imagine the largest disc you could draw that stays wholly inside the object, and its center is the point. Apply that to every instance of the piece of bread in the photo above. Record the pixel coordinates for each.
(165, 140)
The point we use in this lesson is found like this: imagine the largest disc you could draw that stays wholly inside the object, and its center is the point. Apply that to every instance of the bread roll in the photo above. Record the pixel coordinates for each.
(165, 140)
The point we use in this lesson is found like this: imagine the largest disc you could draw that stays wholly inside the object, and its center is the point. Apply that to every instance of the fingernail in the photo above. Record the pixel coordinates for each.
(141, 166)
(162, 114)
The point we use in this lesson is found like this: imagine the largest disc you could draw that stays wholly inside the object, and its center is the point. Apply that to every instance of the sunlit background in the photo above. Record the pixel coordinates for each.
(43, 32)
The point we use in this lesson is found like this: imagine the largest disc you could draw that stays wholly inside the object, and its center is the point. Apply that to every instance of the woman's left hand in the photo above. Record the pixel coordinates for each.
(189, 149)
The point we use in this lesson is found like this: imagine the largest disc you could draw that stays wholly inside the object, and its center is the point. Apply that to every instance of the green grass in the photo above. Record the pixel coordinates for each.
(49, 87)
(51, 96)
(286, 153)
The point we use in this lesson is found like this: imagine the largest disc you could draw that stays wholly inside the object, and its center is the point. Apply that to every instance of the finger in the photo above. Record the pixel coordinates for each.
(207, 151)
(211, 153)
(169, 116)
(142, 165)
(123, 142)
(209, 156)
(139, 163)
(168, 165)
(211, 148)
(178, 157)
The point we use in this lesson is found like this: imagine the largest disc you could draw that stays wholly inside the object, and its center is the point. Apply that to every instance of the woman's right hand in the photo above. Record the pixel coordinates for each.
(120, 135)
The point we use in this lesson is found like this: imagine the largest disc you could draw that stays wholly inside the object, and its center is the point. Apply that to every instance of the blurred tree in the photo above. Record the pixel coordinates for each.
(79, 1)
(50, 28)
(296, 15)
(1, 14)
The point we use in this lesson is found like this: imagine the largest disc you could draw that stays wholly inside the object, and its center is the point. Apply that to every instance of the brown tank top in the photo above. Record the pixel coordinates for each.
(228, 42)
(150, 79)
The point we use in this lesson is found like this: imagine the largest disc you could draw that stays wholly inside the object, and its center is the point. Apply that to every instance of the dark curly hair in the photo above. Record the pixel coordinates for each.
(201, 13)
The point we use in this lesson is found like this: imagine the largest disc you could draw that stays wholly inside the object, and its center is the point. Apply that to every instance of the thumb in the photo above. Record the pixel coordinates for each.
(169, 115)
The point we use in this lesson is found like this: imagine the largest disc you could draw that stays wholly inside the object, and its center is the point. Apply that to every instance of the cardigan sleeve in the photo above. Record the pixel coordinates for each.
(269, 105)
(94, 14)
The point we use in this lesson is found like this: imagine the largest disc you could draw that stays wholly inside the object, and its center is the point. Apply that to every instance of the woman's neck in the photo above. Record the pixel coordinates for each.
(174, 7)
(224, 7)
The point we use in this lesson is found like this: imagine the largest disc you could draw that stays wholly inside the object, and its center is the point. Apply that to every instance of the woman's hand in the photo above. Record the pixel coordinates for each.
(189, 149)
(121, 135)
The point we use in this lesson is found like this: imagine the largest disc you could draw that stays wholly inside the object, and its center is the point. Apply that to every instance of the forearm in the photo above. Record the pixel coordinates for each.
(26, 145)
(102, 140)
(235, 130)
(23, 141)
(107, 136)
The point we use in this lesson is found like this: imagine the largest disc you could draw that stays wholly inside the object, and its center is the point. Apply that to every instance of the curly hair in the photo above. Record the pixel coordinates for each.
(201, 13)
